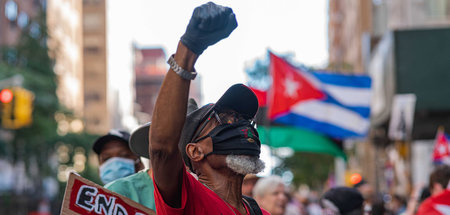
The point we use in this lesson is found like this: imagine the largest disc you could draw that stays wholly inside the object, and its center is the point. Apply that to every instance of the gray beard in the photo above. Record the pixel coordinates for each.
(244, 164)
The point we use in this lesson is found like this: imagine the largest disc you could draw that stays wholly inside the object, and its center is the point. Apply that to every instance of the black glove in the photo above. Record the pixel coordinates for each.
(208, 25)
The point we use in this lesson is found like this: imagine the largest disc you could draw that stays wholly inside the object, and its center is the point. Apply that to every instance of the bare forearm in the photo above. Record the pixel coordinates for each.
(167, 123)
(170, 108)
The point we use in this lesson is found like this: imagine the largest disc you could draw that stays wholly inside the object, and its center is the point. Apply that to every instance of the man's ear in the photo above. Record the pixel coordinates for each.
(194, 152)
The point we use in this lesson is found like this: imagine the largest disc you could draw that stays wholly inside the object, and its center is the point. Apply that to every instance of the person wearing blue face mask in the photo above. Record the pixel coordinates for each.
(138, 186)
(115, 157)
(120, 167)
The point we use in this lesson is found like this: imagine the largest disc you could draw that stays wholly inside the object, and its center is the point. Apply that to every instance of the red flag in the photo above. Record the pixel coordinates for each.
(436, 205)
(441, 148)
(289, 87)
(261, 95)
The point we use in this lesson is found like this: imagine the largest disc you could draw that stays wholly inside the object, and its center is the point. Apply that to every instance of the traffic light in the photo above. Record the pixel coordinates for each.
(6, 99)
(355, 178)
(352, 178)
(17, 107)
(6, 96)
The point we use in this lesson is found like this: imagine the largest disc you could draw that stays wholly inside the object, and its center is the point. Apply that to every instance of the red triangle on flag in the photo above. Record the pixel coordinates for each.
(289, 87)
(261, 95)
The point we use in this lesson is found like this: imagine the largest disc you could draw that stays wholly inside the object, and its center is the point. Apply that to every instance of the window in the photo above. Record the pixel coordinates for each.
(11, 10)
(35, 30)
(22, 20)
(91, 50)
(94, 2)
(92, 22)
(91, 96)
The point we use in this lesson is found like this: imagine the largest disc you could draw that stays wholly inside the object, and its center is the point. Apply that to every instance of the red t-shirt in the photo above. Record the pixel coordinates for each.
(436, 205)
(196, 199)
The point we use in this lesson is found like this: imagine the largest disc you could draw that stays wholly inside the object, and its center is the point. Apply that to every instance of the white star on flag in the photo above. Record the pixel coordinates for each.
(442, 149)
(444, 209)
(291, 86)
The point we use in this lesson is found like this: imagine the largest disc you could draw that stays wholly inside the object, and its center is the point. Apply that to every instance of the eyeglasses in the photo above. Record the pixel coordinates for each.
(222, 118)
(196, 138)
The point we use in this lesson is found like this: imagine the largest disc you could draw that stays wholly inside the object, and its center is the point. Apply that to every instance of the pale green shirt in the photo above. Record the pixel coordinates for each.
(138, 187)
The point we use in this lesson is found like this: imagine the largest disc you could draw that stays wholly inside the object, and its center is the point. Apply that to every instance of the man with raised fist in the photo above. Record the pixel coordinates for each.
(218, 142)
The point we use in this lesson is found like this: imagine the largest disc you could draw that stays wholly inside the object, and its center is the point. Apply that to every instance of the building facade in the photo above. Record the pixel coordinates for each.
(65, 29)
(410, 14)
(95, 107)
(364, 36)
(150, 67)
(355, 26)
(348, 21)
(14, 16)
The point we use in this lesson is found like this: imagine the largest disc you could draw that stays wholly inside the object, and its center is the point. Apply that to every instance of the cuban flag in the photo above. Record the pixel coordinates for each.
(333, 104)
(436, 205)
(441, 151)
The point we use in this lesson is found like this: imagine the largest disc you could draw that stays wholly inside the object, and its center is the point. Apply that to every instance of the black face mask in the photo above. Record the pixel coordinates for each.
(240, 138)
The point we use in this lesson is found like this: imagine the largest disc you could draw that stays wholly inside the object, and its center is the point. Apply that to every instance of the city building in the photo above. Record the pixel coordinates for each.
(14, 16)
(93, 62)
(150, 67)
(382, 38)
(65, 29)
(355, 26)
(64, 25)
(348, 21)
(96, 111)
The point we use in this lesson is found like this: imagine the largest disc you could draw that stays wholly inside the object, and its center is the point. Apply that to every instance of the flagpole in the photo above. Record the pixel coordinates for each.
(441, 129)
(269, 100)
(268, 139)
(437, 155)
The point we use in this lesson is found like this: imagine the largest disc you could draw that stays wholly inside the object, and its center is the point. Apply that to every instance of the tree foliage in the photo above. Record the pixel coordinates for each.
(258, 74)
(37, 145)
(258, 71)
(29, 59)
(308, 168)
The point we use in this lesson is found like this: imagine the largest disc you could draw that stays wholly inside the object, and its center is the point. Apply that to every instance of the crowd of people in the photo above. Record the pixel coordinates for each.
(122, 171)
(204, 160)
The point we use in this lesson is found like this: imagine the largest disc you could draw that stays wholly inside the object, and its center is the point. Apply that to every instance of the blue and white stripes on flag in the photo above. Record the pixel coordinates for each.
(343, 113)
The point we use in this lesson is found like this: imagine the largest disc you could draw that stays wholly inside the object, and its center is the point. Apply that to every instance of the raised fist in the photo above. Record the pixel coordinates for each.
(208, 25)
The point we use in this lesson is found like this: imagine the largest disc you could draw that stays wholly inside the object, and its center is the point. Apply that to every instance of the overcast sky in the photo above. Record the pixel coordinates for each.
(294, 26)
(298, 27)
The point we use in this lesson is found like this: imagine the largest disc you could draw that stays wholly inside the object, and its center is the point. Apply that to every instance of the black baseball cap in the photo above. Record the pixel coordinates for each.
(345, 199)
(360, 183)
(238, 98)
(113, 134)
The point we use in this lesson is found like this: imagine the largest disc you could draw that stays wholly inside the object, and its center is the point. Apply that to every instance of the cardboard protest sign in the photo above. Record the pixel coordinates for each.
(85, 197)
